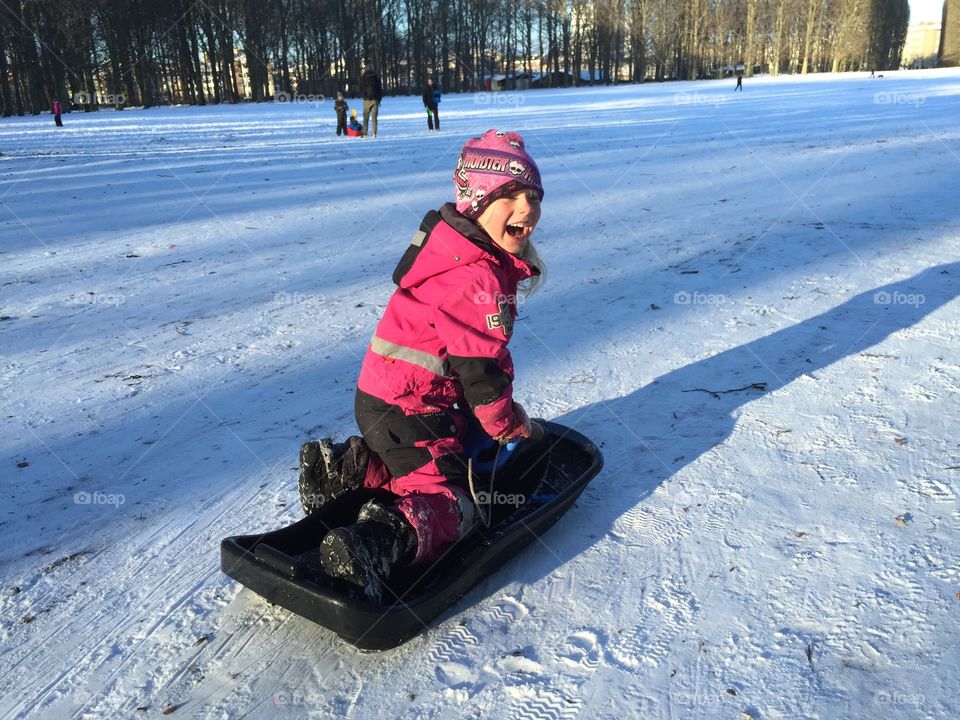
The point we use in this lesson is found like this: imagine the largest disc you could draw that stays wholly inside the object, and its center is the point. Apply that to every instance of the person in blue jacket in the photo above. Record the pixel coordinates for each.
(431, 101)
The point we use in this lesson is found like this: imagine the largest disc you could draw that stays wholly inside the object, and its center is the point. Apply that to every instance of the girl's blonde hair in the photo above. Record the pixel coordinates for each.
(529, 286)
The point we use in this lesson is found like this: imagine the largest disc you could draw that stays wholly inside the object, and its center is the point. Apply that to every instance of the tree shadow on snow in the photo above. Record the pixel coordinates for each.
(650, 434)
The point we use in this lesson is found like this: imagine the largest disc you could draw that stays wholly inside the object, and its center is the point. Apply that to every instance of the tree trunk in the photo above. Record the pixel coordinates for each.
(751, 38)
(254, 50)
(6, 95)
(808, 34)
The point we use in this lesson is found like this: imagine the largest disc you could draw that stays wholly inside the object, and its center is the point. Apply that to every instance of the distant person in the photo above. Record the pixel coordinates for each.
(372, 92)
(431, 101)
(739, 82)
(354, 128)
(873, 73)
(340, 105)
(56, 113)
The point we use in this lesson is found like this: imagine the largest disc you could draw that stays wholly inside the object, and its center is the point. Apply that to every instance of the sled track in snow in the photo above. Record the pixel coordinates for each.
(172, 627)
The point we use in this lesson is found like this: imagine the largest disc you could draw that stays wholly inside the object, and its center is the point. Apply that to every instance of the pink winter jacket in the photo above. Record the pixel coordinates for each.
(443, 336)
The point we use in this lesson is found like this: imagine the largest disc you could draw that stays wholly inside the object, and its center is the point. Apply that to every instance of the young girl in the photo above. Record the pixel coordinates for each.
(354, 128)
(437, 362)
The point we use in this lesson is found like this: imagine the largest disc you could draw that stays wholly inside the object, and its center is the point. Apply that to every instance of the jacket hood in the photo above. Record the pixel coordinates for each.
(446, 239)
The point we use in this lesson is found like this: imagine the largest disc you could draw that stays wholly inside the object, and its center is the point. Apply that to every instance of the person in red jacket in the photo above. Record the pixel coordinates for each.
(56, 110)
(437, 362)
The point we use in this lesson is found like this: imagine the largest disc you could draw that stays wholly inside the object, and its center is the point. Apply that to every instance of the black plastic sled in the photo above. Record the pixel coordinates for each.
(531, 494)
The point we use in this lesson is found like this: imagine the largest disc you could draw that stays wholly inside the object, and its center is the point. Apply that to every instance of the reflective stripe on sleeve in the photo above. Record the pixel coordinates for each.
(425, 360)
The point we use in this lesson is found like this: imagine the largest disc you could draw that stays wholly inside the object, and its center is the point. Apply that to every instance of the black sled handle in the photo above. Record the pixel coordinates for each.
(278, 560)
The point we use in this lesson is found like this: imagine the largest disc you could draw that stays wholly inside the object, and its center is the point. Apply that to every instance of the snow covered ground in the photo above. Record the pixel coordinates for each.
(185, 296)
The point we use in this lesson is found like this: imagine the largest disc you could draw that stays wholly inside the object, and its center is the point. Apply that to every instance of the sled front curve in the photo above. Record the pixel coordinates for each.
(283, 566)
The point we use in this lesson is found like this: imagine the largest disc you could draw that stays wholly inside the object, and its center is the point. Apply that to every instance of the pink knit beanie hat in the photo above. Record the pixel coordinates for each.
(491, 167)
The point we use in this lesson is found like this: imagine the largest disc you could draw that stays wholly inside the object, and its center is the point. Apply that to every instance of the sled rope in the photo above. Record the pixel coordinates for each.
(473, 495)
(486, 517)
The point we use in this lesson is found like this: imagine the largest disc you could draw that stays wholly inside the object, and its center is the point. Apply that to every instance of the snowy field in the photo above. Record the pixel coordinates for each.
(185, 296)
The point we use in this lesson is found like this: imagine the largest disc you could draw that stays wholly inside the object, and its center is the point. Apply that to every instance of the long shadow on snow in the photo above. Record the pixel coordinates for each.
(642, 440)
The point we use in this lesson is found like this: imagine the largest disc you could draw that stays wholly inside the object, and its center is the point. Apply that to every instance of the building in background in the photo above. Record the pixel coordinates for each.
(922, 46)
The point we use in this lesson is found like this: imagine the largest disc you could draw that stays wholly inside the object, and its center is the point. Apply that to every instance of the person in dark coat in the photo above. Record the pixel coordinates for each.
(431, 101)
(56, 113)
(372, 92)
(739, 82)
(340, 105)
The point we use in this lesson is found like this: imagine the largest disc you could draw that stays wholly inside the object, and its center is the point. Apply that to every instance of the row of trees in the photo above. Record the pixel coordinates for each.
(144, 52)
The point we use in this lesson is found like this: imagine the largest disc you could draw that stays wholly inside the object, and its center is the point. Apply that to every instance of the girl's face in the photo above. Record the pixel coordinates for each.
(510, 221)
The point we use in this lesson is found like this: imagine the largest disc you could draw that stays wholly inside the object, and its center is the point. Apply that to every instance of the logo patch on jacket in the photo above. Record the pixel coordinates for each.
(502, 319)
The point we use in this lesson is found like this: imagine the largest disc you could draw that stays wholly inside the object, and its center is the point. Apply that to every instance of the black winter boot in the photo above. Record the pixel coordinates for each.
(366, 553)
(329, 469)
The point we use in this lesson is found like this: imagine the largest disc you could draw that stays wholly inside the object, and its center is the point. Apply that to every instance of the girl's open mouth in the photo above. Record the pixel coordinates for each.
(516, 230)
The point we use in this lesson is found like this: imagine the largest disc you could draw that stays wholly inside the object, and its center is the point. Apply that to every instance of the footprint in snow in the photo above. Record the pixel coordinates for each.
(451, 658)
